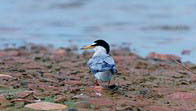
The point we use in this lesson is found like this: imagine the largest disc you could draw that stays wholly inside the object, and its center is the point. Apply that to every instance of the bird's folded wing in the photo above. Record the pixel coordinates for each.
(101, 64)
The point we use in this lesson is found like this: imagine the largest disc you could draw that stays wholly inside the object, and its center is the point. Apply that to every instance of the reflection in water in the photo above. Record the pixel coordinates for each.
(162, 26)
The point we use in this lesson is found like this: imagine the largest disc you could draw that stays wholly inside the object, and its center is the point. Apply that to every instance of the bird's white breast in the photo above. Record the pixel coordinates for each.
(99, 50)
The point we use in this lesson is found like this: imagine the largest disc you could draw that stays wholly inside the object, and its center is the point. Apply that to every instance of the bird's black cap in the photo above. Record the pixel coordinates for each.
(103, 44)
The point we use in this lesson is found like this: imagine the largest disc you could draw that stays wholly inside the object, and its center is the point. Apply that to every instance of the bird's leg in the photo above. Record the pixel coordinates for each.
(108, 83)
(96, 82)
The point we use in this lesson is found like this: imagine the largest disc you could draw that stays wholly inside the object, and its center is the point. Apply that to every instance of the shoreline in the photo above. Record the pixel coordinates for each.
(124, 47)
(186, 55)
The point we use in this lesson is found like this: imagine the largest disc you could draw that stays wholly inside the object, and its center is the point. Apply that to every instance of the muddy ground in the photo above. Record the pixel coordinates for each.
(36, 73)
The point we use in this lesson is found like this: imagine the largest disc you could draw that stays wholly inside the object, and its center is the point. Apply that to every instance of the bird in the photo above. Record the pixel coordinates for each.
(101, 64)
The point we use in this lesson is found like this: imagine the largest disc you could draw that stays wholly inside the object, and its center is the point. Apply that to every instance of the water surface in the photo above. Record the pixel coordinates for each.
(164, 26)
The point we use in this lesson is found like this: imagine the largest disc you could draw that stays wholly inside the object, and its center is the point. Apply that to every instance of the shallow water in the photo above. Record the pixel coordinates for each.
(165, 26)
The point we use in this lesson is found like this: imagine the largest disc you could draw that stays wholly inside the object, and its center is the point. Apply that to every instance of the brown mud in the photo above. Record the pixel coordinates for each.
(36, 73)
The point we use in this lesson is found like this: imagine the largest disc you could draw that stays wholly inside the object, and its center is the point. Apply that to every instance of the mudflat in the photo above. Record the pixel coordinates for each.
(32, 74)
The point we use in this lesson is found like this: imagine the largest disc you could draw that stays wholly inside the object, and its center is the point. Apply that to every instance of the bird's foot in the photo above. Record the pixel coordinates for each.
(102, 85)
(98, 88)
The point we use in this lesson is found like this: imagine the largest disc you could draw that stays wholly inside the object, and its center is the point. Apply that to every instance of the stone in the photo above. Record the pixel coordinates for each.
(3, 101)
(9, 53)
(31, 66)
(186, 52)
(2, 54)
(60, 52)
(4, 76)
(185, 96)
(163, 57)
(81, 96)
(24, 94)
(22, 100)
(158, 108)
(72, 109)
(73, 82)
(60, 99)
(46, 106)
(83, 104)
(101, 102)
(13, 53)
(98, 88)
(163, 90)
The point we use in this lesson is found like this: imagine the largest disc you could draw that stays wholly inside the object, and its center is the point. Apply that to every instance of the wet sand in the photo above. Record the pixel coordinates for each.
(33, 73)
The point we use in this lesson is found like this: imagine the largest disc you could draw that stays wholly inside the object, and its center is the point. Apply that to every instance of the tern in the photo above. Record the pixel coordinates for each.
(101, 64)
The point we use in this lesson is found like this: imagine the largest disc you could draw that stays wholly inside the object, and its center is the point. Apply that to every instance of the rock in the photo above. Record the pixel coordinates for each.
(24, 94)
(13, 53)
(22, 100)
(4, 86)
(60, 99)
(193, 78)
(73, 82)
(83, 104)
(72, 109)
(141, 65)
(48, 87)
(163, 90)
(48, 75)
(98, 88)
(46, 106)
(184, 108)
(31, 66)
(158, 108)
(163, 57)
(186, 52)
(3, 101)
(98, 94)
(9, 53)
(2, 54)
(140, 102)
(22, 60)
(81, 97)
(101, 102)
(4, 76)
(60, 52)
(82, 109)
(74, 89)
(184, 96)
(32, 86)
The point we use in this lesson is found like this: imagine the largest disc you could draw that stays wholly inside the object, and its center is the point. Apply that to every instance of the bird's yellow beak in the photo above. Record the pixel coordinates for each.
(88, 47)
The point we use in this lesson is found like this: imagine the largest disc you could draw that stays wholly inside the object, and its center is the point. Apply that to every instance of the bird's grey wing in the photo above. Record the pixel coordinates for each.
(110, 64)
(101, 64)
(95, 64)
